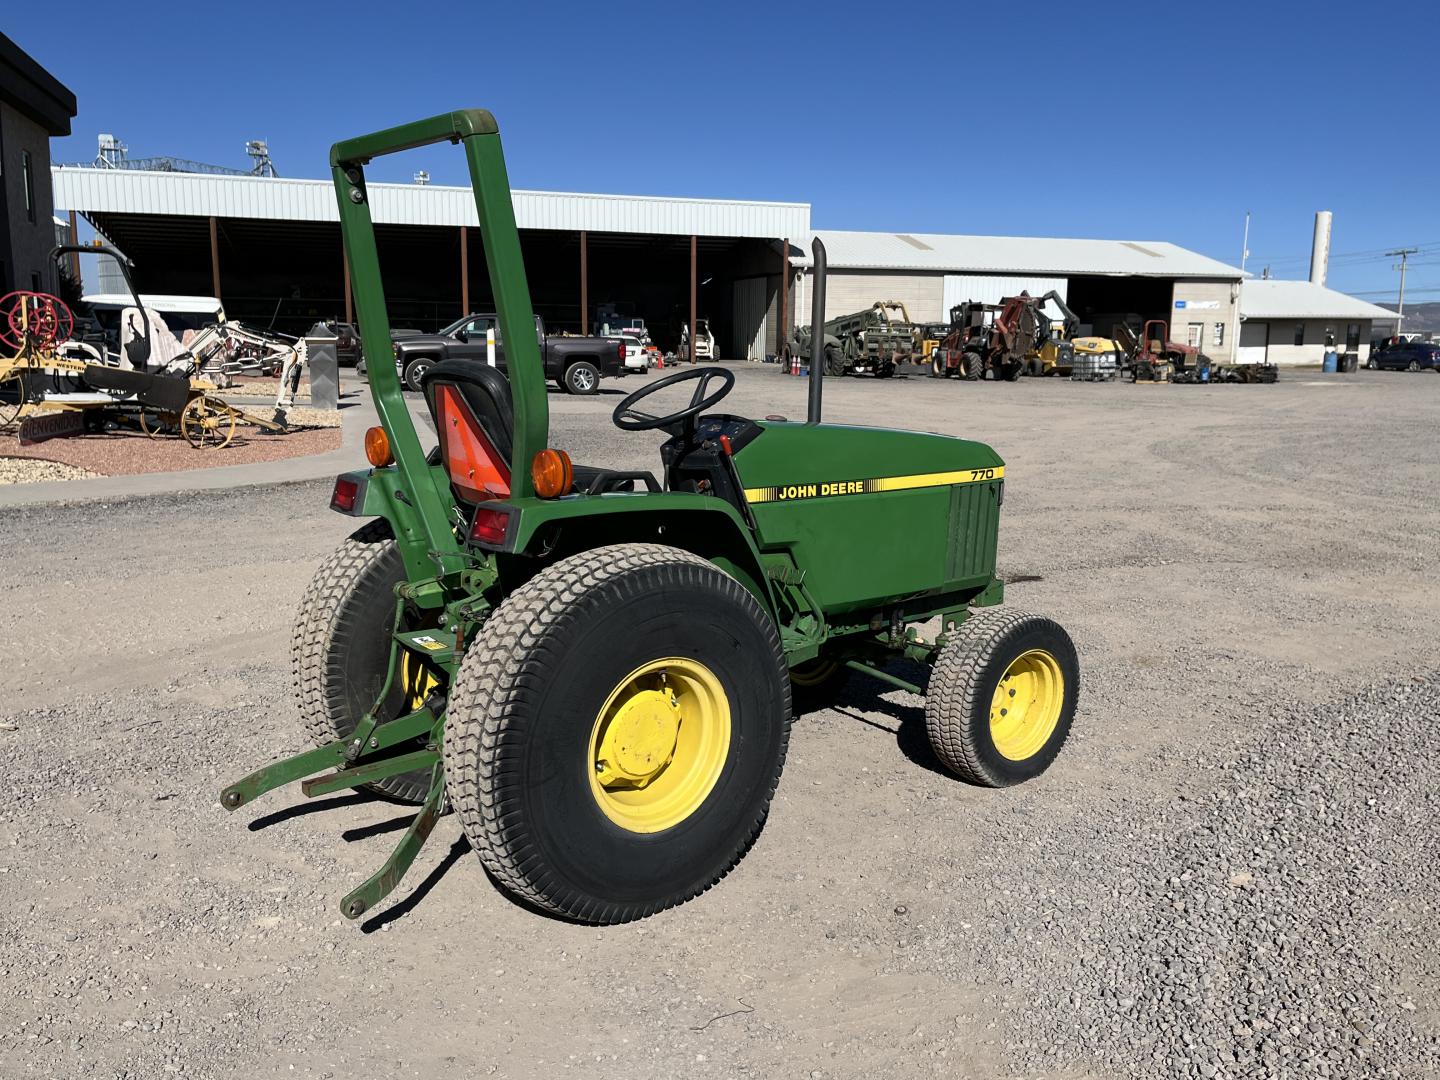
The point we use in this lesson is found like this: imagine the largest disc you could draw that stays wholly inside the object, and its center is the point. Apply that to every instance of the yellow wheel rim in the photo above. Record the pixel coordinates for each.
(659, 744)
(417, 681)
(1026, 706)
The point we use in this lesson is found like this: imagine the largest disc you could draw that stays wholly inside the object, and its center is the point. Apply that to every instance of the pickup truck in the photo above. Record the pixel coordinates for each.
(576, 364)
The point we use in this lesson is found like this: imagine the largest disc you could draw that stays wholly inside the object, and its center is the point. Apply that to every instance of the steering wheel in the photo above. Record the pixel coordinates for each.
(629, 418)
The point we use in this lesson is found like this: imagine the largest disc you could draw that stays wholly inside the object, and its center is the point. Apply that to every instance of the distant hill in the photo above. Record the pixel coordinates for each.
(1421, 318)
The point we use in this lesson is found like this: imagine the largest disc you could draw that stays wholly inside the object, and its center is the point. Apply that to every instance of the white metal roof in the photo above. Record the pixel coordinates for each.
(1271, 299)
(203, 195)
(1016, 255)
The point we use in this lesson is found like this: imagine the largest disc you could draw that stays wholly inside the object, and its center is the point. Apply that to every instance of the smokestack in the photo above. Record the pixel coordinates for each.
(1320, 248)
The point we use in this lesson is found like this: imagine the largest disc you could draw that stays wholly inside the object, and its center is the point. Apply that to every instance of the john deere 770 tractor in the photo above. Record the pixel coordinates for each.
(597, 669)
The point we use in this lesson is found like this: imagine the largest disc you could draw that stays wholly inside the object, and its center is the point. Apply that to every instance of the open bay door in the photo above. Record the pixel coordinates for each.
(1254, 342)
(751, 312)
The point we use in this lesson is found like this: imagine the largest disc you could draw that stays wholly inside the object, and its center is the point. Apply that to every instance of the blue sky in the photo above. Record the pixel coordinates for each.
(1130, 121)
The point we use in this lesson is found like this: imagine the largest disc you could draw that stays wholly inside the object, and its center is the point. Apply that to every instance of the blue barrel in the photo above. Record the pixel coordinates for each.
(1331, 360)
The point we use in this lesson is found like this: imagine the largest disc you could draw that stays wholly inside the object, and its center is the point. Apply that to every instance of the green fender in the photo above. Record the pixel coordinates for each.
(701, 524)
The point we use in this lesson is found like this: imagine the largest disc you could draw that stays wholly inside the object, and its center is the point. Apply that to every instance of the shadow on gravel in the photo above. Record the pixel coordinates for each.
(302, 809)
(403, 907)
(863, 694)
(380, 828)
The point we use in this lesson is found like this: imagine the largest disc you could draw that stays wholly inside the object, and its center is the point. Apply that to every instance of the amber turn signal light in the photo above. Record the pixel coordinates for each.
(377, 447)
(552, 473)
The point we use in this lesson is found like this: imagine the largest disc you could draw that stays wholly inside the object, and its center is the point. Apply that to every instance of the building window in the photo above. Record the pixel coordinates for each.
(1299, 333)
(1352, 337)
(1195, 334)
(27, 179)
(1218, 339)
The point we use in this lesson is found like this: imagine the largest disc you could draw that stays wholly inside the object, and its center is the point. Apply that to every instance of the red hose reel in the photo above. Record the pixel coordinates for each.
(38, 320)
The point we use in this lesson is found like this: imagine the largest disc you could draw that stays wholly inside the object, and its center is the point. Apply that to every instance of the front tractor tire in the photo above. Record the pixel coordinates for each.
(340, 648)
(1002, 697)
(616, 732)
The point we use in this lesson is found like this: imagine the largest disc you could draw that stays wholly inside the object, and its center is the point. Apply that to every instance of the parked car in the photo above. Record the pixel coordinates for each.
(1408, 356)
(576, 364)
(636, 358)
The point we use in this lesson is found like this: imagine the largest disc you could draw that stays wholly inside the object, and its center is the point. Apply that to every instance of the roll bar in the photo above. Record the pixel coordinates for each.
(477, 130)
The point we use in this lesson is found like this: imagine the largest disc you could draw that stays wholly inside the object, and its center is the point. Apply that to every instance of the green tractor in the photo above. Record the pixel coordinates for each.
(597, 669)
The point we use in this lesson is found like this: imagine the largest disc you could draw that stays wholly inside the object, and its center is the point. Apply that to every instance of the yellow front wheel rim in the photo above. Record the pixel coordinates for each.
(1026, 706)
(659, 744)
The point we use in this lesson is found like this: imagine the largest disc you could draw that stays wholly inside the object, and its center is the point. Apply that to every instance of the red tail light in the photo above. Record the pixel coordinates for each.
(344, 496)
(622, 352)
(489, 526)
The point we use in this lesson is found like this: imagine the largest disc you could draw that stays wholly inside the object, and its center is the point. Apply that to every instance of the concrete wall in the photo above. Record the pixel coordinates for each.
(1210, 304)
(1283, 351)
(852, 290)
(27, 249)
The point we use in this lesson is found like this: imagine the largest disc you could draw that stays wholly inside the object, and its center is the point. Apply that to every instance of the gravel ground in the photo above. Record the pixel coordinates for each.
(37, 470)
(1225, 874)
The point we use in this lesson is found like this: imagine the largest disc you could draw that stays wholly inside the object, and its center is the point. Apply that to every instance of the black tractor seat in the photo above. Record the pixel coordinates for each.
(486, 392)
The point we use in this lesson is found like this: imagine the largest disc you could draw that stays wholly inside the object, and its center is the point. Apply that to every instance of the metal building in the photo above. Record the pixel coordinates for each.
(270, 249)
(1102, 281)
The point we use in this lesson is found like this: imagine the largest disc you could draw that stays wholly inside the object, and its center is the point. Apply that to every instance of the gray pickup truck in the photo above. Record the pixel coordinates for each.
(576, 364)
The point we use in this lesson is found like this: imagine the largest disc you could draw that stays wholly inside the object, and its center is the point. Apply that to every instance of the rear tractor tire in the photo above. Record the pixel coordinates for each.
(1002, 697)
(973, 365)
(340, 648)
(616, 732)
(834, 361)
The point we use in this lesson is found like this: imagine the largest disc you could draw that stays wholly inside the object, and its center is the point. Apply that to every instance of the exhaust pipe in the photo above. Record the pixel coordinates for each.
(817, 330)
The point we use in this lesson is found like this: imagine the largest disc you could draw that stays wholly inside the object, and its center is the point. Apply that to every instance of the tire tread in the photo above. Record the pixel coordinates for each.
(488, 709)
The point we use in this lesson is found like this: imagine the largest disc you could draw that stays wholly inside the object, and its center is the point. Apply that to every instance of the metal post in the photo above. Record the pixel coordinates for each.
(349, 296)
(584, 283)
(694, 289)
(464, 271)
(817, 330)
(74, 255)
(781, 334)
(214, 257)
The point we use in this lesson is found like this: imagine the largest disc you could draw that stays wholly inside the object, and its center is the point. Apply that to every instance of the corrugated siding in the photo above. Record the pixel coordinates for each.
(200, 195)
(991, 289)
(846, 292)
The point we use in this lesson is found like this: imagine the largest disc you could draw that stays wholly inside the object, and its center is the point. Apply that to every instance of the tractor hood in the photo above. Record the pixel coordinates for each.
(871, 513)
(833, 460)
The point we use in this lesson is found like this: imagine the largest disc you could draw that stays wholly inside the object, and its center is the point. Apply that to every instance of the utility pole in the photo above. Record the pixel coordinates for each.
(1404, 256)
(1239, 288)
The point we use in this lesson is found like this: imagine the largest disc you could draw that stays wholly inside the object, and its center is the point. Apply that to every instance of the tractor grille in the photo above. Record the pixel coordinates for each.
(974, 522)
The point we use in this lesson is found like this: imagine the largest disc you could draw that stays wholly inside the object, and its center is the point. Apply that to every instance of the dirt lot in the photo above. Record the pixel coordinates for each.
(1227, 873)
